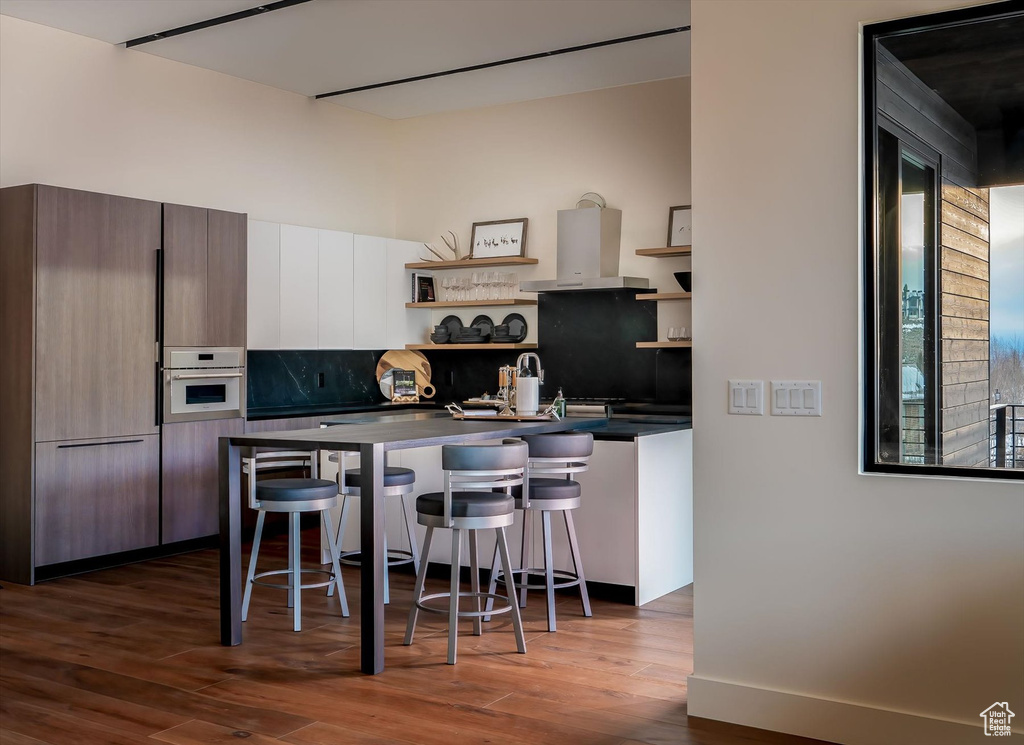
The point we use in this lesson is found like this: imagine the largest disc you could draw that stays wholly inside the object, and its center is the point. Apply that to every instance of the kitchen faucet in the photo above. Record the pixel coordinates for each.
(521, 364)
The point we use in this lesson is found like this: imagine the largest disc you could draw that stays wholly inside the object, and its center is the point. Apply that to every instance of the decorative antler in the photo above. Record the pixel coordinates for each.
(431, 249)
(454, 248)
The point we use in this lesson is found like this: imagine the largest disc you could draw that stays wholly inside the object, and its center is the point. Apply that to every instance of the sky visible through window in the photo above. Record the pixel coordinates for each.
(1007, 264)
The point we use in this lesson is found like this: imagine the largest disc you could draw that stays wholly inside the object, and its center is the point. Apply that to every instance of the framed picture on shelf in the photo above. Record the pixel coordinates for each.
(498, 238)
(680, 226)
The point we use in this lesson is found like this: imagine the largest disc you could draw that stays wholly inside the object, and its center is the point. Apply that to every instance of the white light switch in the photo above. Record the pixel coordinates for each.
(746, 397)
(796, 398)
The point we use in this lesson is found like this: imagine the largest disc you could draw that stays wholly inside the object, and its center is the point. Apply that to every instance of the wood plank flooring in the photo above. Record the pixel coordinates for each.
(131, 655)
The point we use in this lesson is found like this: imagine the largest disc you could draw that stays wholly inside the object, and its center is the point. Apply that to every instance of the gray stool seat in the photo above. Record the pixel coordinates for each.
(393, 476)
(466, 504)
(295, 490)
(545, 488)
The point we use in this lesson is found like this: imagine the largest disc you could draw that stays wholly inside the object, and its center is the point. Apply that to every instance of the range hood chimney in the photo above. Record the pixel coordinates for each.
(588, 253)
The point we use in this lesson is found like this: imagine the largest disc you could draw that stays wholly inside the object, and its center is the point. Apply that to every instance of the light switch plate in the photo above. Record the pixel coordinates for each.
(796, 398)
(746, 397)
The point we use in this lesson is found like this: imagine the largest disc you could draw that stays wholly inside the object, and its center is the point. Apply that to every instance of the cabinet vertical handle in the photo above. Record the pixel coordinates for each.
(159, 326)
(97, 444)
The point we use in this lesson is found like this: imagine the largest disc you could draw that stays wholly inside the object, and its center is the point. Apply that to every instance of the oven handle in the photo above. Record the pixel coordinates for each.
(199, 376)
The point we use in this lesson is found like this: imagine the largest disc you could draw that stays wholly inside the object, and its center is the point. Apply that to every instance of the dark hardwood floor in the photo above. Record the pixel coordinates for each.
(131, 655)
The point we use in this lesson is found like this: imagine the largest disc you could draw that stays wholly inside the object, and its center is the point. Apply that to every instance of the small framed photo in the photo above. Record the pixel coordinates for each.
(498, 238)
(680, 226)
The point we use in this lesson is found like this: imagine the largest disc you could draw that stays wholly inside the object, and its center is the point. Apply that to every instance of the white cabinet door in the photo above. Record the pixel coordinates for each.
(299, 285)
(263, 286)
(404, 326)
(606, 519)
(369, 293)
(335, 327)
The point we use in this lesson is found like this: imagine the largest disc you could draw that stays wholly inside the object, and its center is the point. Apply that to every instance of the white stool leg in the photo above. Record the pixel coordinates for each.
(338, 581)
(492, 586)
(417, 591)
(510, 587)
(387, 572)
(294, 550)
(341, 522)
(577, 561)
(411, 532)
(252, 563)
(453, 606)
(549, 577)
(526, 556)
(474, 583)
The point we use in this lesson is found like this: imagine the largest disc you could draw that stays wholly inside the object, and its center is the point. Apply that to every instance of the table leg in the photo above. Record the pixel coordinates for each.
(230, 544)
(371, 547)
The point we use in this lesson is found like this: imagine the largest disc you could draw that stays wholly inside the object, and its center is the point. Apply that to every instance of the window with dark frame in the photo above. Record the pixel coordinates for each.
(944, 129)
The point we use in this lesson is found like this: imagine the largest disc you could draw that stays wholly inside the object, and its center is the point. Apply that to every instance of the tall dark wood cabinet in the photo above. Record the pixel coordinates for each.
(78, 346)
(191, 489)
(204, 277)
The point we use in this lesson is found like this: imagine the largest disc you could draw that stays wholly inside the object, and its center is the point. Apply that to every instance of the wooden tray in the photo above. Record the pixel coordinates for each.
(499, 418)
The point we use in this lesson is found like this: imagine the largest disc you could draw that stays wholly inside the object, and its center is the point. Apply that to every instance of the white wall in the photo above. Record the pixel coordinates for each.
(630, 144)
(824, 600)
(81, 113)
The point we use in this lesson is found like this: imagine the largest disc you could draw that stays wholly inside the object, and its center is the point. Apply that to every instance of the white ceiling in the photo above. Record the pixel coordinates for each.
(327, 45)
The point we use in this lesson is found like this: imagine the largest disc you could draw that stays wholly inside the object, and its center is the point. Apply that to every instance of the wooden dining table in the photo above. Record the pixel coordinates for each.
(371, 437)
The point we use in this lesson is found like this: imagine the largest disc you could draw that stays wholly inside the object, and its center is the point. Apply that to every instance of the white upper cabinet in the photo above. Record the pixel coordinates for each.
(263, 279)
(336, 305)
(370, 263)
(327, 289)
(404, 326)
(299, 286)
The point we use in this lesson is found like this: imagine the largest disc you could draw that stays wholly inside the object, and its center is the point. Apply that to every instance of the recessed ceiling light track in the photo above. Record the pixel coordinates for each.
(510, 61)
(258, 10)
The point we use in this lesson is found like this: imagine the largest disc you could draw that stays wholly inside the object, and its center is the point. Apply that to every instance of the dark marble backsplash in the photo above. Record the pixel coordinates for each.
(587, 345)
(315, 378)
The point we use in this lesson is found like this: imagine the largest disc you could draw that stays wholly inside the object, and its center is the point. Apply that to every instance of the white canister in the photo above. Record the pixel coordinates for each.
(527, 396)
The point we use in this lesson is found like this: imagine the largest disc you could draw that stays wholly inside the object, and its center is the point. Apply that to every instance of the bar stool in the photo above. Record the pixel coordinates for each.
(398, 482)
(292, 496)
(551, 455)
(477, 496)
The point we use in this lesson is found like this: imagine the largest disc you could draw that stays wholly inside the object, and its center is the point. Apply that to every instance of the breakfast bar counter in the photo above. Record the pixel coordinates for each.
(372, 438)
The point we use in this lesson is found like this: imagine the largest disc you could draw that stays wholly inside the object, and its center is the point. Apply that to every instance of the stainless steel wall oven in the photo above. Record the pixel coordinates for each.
(203, 383)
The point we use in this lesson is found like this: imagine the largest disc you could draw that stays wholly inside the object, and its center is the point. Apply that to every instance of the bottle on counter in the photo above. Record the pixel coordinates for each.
(559, 404)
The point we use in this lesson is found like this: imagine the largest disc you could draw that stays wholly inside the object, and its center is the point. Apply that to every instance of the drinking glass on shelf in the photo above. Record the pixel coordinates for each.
(676, 333)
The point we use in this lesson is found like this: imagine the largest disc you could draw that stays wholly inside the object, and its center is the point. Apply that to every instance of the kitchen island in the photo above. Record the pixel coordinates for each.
(372, 440)
(635, 524)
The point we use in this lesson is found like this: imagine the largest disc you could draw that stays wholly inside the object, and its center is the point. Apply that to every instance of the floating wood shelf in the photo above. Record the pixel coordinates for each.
(663, 344)
(663, 253)
(472, 303)
(453, 347)
(666, 296)
(473, 263)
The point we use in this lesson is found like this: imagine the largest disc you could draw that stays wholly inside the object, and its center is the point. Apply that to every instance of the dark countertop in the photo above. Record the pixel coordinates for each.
(614, 429)
(286, 412)
(630, 429)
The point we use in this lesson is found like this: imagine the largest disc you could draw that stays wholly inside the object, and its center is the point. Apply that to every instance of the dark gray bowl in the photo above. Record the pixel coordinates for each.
(683, 278)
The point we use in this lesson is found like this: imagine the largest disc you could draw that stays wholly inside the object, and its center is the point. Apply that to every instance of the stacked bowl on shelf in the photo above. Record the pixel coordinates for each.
(512, 330)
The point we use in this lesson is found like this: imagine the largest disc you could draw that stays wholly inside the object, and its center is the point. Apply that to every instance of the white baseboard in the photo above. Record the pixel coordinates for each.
(823, 719)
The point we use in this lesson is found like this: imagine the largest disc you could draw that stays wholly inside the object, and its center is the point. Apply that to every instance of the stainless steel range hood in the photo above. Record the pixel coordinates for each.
(588, 253)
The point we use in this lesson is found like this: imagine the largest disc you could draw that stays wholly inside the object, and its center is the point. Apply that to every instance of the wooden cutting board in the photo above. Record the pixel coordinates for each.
(407, 359)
